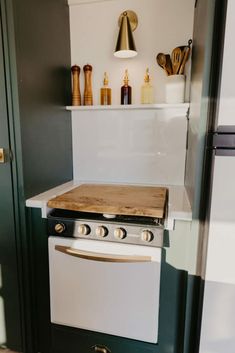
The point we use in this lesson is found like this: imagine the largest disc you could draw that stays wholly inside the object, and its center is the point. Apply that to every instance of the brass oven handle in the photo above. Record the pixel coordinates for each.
(89, 255)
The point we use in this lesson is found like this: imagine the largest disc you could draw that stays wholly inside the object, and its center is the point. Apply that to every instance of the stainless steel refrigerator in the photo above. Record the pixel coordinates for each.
(218, 301)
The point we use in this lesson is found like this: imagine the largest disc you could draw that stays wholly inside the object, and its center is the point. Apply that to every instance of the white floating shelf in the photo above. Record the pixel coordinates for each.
(129, 107)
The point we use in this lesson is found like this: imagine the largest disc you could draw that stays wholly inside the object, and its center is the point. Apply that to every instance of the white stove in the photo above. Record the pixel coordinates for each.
(105, 273)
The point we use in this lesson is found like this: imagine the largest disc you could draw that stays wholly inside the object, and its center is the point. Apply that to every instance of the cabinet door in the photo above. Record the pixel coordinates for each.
(10, 331)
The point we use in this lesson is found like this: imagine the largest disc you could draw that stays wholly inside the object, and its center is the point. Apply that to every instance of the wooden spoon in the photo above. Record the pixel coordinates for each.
(162, 62)
(185, 58)
(168, 64)
(186, 54)
(176, 58)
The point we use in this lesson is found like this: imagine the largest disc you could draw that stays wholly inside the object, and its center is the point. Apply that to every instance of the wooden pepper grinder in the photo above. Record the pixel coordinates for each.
(76, 94)
(88, 97)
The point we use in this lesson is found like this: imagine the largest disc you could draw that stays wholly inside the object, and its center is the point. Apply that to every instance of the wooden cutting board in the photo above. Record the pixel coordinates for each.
(114, 199)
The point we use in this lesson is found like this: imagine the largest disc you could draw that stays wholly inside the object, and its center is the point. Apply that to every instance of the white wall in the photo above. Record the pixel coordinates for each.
(131, 146)
(163, 25)
(146, 147)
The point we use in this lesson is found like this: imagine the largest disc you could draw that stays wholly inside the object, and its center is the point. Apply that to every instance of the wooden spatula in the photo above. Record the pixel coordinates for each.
(168, 65)
(176, 59)
(185, 58)
(186, 54)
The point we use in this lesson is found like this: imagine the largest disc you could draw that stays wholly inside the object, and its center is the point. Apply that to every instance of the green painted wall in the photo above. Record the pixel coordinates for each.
(42, 83)
(36, 47)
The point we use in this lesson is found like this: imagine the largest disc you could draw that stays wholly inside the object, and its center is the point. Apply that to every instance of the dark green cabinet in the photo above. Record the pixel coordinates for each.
(10, 326)
(35, 131)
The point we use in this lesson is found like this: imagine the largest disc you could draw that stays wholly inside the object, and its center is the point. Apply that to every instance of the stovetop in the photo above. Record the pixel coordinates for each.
(136, 230)
(75, 215)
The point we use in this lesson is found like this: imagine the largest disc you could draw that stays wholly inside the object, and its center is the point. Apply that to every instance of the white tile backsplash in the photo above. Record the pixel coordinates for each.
(143, 147)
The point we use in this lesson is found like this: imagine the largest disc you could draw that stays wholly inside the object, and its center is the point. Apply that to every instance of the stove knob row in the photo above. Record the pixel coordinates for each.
(101, 231)
(147, 236)
(120, 233)
(59, 228)
(84, 229)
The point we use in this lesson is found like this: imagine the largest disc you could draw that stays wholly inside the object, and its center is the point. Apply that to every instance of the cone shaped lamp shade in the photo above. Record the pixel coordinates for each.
(125, 47)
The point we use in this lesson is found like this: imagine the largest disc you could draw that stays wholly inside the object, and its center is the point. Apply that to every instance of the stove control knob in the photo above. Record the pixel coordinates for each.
(147, 236)
(101, 231)
(120, 233)
(84, 229)
(59, 228)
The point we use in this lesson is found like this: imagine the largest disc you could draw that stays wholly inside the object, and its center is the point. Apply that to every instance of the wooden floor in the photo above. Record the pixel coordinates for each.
(6, 351)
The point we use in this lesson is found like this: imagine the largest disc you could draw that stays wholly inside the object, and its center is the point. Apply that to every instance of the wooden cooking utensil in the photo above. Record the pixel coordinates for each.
(168, 64)
(186, 54)
(176, 59)
(162, 62)
(185, 59)
(182, 47)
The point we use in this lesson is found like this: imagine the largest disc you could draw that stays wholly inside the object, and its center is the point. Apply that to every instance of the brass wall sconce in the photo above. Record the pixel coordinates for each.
(125, 47)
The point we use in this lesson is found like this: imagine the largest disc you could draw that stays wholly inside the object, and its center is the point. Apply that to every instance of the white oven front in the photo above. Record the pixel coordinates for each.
(105, 287)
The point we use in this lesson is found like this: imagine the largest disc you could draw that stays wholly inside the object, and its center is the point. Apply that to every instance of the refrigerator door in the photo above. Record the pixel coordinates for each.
(218, 319)
(227, 92)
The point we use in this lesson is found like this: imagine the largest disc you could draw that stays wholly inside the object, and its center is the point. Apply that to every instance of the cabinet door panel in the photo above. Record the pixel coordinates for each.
(10, 332)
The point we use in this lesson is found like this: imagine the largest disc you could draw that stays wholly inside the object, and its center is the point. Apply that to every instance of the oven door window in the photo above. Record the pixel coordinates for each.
(105, 287)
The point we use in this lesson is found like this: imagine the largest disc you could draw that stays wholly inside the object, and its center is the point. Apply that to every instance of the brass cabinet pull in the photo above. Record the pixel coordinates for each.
(89, 255)
(101, 349)
(2, 156)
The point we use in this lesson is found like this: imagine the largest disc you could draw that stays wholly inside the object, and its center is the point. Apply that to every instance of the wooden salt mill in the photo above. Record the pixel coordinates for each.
(88, 97)
(76, 94)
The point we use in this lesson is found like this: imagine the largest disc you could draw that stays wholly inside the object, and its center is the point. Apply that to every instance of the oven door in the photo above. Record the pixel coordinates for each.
(105, 287)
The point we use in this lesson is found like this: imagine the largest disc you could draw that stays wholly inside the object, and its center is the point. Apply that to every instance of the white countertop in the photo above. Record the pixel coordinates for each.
(178, 203)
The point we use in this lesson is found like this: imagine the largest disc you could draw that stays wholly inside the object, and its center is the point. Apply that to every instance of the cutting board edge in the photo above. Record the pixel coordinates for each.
(155, 213)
